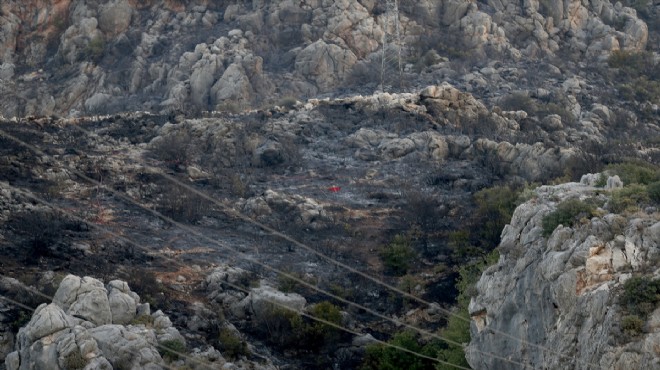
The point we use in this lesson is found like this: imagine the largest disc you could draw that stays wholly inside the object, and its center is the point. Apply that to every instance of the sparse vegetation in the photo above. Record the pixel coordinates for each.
(172, 349)
(146, 320)
(43, 232)
(398, 255)
(279, 326)
(231, 344)
(628, 199)
(94, 49)
(173, 149)
(567, 213)
(640, 295)
(74, 361)
(182, 205)
(638, 77)
(632, 325)
(380, 357)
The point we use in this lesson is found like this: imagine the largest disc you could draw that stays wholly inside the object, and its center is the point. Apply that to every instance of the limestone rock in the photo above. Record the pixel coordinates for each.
(131, 346)
(85, 297)
(123, 306)
(325, 64)
(115, 17)
(543, 289)
(258, 302)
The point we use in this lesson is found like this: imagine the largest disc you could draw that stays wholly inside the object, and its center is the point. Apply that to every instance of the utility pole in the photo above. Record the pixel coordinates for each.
(391, 73)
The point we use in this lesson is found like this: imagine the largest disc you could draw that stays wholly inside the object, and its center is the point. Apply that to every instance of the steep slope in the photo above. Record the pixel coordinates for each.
(583, 296)
(69, 57)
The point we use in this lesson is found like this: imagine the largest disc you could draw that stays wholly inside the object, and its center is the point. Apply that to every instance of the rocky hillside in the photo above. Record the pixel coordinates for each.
(581, 295)
(160, 143)
(72, 57)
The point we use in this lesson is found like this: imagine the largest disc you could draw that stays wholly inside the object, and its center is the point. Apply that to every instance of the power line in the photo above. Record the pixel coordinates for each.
(164, 348)
(252, 260)
(391, 72)
(297, 243)
(234, 286)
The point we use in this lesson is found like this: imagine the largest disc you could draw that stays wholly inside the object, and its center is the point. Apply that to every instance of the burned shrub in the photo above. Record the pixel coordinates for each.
(42, 232)
(181, 204)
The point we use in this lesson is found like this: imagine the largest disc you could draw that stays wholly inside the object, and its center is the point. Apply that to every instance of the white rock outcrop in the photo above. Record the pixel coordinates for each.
(86, 323)
(553, 301)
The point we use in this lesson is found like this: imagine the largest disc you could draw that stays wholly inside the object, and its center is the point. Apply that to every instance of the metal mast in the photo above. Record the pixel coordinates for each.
(391, 73)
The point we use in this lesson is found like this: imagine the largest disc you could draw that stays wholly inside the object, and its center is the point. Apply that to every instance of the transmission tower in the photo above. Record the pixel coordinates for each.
(391, 73)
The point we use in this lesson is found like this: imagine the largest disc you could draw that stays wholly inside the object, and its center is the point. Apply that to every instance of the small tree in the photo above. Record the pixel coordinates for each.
(398, 255)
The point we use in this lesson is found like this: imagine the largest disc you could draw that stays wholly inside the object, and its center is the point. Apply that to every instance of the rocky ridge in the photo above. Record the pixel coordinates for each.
(557, 297)
(95, 326)
(86, 57)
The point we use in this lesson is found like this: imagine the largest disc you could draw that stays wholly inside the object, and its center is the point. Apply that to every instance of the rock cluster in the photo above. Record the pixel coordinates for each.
(92, 325)
(72, 56)
(553, 301)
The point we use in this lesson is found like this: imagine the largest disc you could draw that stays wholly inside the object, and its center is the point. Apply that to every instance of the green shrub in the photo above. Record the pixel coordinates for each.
(457, 329)
(398, 255)
(231, 344)
(566, 214)
(95, 47)
(171, 349)
(628, 199)
(316, 333)
(381, 357)
(653, 191)
(640, 295)
(635, 172)
(632, 325)
(495, 207)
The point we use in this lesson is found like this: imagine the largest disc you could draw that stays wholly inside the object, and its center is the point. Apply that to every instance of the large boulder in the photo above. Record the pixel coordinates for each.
(325, 64)
(260, 302)
(66, 333)
(115, 17)
(123, 303)
(85, 298)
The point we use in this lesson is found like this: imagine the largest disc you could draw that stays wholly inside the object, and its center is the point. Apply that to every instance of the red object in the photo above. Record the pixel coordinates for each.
(334, 189)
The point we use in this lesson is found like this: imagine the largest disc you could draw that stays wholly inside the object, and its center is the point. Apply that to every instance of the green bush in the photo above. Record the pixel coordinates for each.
(318, 334)
(567, 213)
(635, 172)
(95, 48)
(628, 199)
(640, 295)
(231, 344)
(398, 255)
(171, 349)
(495, 207)
(381, 357)
(653, 191)
(632, 325)
(457, 329)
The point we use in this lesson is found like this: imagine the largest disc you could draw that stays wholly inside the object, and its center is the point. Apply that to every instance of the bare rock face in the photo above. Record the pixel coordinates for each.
(85, 323)
(167, 55)
(86, 298)
(553, 301)
(325, 64)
